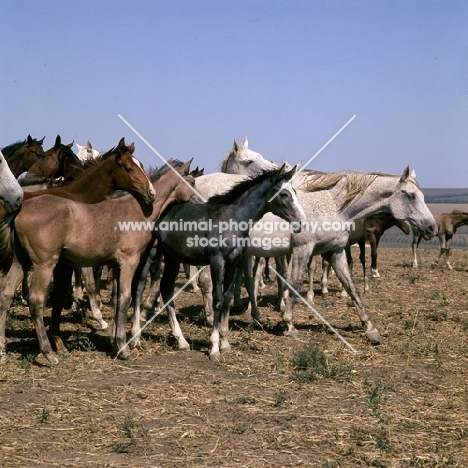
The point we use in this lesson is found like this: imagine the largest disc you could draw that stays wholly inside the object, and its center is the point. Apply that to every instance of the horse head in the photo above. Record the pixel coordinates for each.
(130, 175)
(242, 160)
(407, 203)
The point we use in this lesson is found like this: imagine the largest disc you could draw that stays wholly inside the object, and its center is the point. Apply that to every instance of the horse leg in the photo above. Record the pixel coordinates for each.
(229, 277)
(171, 270)
(312, 264)
(340, 265)
(126, 271)
(88, 275)
(39, 284)
(414, 248)
(78, 290)
(138, 287)
(62, 280)
(190, 271)
(217, 274)
(447, 251)
(206, 286)
(258, 273)
(7, 290)
(281, 269)
(156, 273)
(295, 277)
(362, 259)
(239, 278)
(25, 289)
(249, 285)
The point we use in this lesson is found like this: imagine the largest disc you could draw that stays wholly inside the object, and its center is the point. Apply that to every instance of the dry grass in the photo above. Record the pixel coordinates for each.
(272, 402)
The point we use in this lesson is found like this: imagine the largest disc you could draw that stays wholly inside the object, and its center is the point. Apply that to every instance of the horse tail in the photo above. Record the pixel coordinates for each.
(6, 242)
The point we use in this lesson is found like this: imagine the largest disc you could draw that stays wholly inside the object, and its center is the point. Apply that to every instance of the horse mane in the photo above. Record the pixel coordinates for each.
(11, 148)
(225, 160)
(356, 182)
(241, 187)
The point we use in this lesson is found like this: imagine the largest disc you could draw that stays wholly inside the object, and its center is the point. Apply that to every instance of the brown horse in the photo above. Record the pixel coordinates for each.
(21, 155)
(115, 170)
(50, 229)
(447, 223)
(369, 229)
(58, 162)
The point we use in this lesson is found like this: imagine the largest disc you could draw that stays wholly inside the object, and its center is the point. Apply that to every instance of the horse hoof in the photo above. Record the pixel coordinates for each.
(374, 336)
(184, 347)
(293, 334)
(52, 358)
(125, 356)
(215, 356)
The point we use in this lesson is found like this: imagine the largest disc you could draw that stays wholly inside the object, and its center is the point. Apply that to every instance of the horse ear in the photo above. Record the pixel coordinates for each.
(70, 144)
(30, 140)
(131, 148)
(121, 143)
(185, 168)
(289, 175)
(41, 141)
(405, 174)
(235, 146)
(58, 141)
(79, 147)
(246, 143)
(90, 145)
(413, 174)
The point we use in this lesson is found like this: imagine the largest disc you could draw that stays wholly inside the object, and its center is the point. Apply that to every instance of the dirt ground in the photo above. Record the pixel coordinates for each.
(272, 402)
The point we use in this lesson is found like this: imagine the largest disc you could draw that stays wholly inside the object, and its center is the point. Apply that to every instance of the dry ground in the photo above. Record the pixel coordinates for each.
(272, 402)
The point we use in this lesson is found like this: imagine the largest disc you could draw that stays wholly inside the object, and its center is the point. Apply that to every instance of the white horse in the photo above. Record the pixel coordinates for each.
(11, 193)
(331, 201)
(86, 152)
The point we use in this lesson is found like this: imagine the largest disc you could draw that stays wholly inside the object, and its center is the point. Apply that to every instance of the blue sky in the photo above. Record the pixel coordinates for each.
(192, 76)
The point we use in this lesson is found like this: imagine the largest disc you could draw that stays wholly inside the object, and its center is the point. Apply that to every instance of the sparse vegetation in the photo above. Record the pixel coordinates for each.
(273, 401)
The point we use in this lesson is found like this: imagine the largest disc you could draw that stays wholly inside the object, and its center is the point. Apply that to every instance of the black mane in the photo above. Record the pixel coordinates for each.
(240, 188)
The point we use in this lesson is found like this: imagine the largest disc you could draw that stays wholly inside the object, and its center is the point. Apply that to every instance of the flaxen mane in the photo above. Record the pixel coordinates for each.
(356, 182)
(226, 159)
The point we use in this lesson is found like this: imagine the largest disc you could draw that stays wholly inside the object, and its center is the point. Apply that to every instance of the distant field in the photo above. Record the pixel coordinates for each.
(450, 195)
(395, 238)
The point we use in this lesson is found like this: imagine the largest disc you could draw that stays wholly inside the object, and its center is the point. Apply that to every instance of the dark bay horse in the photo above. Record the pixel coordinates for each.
(50, 229)
(447, 223)
(23, 154)
(207, 243)
(58, 162)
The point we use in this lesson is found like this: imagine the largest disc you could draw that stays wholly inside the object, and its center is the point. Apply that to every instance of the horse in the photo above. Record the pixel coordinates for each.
(11, 194)
(330, 199)
(23, 154)
(86, 152)
(369, 229)
(217, 236)
(447, 224)
(58, 162)
(116, 169)
(51, 229)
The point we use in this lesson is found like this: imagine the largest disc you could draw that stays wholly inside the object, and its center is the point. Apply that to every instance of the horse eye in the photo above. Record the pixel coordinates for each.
(411, 196)
(249, 162)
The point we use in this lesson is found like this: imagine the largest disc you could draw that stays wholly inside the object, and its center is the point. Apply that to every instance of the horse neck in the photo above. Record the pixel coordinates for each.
(93, 187)
(459, 219)
(372, 199)
(252, 205)
(14, 157)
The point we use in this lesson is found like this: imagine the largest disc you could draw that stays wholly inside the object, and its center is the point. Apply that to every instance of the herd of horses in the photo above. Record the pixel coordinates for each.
(67, 214)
